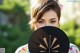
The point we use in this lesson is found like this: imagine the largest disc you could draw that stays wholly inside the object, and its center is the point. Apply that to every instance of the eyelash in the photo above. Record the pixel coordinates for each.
(40, 21)
(52, 21)
(43, 22)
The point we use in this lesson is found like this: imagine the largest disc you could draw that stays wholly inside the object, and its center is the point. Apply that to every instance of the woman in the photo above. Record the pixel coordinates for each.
(45, 13)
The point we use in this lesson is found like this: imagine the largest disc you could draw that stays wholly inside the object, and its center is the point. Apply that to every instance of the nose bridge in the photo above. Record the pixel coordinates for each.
(47, 24)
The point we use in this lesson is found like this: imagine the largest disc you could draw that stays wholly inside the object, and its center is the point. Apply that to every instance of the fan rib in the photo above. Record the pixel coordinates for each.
(45, 41)
(57, 46)
(42, 46)
(53, 41)
(55, 51)
(42, 51)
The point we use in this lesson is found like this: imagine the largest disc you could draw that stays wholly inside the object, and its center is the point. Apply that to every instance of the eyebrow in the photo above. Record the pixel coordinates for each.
(52, 18)
(41, 19)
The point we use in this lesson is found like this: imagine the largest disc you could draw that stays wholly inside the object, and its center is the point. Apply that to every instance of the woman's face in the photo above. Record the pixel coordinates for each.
(49, 18)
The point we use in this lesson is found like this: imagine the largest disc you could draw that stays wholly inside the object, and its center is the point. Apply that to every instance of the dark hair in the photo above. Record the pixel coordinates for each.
(43, 6)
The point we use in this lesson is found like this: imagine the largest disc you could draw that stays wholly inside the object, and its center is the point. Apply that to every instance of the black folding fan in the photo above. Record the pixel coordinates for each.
(48, 40)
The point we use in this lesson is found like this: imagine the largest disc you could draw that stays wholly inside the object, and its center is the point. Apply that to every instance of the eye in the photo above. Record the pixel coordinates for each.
(52, 21)
(41, 22)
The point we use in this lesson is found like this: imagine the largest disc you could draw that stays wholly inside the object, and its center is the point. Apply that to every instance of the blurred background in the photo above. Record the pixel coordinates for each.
(15, 15)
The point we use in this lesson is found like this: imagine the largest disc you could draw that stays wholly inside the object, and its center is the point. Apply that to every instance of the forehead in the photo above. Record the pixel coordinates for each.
(49, 15)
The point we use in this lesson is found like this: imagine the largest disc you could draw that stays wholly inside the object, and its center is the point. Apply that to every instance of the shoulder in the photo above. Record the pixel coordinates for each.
(73, 49)
(22, 49)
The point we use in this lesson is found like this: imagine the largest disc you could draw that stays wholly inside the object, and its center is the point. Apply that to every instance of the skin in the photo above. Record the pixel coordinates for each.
(49, 18)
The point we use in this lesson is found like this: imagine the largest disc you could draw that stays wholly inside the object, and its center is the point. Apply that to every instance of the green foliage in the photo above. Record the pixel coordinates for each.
(73, 32)
(17, 32)
(13, 37)
(11, 4)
